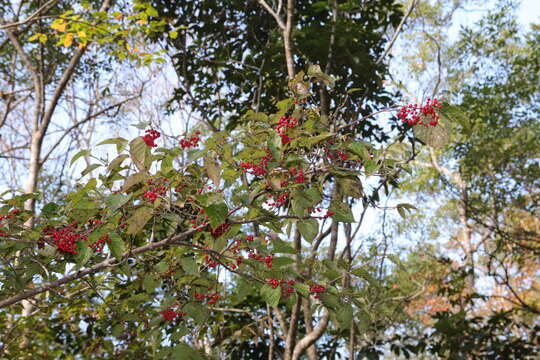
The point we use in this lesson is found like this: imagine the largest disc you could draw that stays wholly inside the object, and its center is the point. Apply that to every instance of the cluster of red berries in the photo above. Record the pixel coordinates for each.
(212, 298)
(297, 101)
(299, 175)
(150, 137)
(169, 314)
(339, 154)
(285, 123)
(65, 239)
(261, 258)
(312, 210)
(281, 200)
(10, 215)
(193, 141)
(209, 260)
(414, 114)
(316, 289)
(200, 223)
(100, 243)
(259, 169)
(157, 189)
(220, 230)
(286, 291)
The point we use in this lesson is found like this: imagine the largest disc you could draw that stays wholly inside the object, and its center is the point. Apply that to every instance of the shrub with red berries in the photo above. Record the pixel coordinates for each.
(415, 114)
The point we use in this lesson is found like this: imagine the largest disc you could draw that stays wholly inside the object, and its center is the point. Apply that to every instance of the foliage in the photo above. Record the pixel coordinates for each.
(231, 58)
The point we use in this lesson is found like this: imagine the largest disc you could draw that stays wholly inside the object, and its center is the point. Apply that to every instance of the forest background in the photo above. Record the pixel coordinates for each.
(241, 180)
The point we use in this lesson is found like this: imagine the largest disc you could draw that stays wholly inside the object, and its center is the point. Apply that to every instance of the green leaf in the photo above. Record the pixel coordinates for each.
(137, 151)
(315, 71)
(403, 209)
(189, 265)
(330, 300)
(312, 140)
(116, 245)
(139, 219)
(117, 161)
(120, 143)
(271, 296)
(309, 229)
(344, 315)
(133, 180)
(198, 312)
(282, 261)
(283, 247)
(183, 351)
(50, 209)
(342, 212)
(359, 148)
(434, 136)
(370, 167)
(352, 186)
(142, 125)
(79, 155)
(89, 169)
(149, 284)
(302, 289)
(84, 253)
(162, 267)
(217, 213)
(212, 168)
(116, 201)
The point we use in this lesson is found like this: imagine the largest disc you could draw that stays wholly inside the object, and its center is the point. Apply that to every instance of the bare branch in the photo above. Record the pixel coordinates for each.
(396, 33)
(273, 13)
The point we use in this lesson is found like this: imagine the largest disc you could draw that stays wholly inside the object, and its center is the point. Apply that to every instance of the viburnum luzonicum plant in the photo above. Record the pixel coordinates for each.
(217, 208)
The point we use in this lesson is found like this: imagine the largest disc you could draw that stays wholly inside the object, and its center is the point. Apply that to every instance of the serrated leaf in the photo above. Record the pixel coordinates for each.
(352, 186)
(302, 289)
(117, 161)
(344, 315)
(282, 261)
(139, 219)
(50, 209)
(282, 247)
(149, 284)
(271, 296)
(212, 168)
(183, 351)
(90, 168)
(84, 253)
(435, 136)
(309, 229)
(342, 212)
(116, 245)
(137, 151)
(79, 155)
(120, 143)
(217, 213)
(330, 300)
(197, 312)
(116, 201)
(133, 180)
(403, 209)
(189, 265)
(312, 140)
